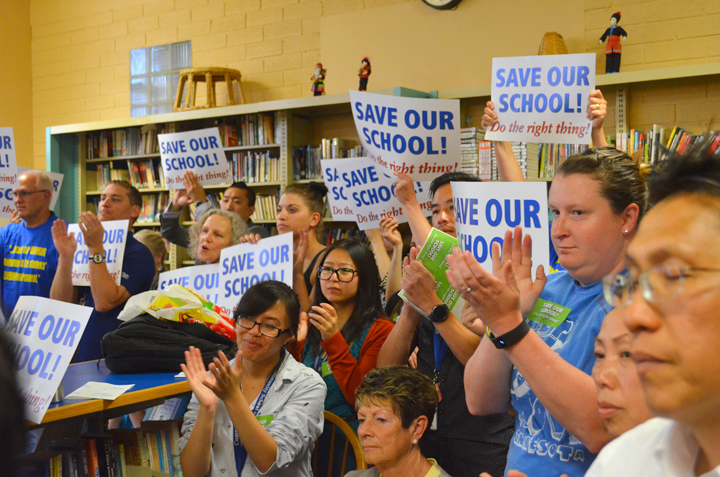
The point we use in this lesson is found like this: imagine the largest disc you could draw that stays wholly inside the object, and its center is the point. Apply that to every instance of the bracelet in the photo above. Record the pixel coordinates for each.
(511, 337)
(416, 308)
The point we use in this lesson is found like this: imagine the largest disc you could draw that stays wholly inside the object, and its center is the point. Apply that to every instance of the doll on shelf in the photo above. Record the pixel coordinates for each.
(318, 79)
(364, 73)
(613, 50)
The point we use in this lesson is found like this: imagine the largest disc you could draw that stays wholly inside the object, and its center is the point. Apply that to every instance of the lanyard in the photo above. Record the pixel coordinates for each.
(240, 451)
(441, 348)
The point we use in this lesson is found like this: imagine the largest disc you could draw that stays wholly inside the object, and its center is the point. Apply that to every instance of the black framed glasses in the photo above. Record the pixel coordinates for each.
(25, 194)
(343, 274)
(267, 330)
(656, 283)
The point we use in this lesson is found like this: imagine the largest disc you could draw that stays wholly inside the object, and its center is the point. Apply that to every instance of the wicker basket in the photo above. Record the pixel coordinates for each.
(552, 44)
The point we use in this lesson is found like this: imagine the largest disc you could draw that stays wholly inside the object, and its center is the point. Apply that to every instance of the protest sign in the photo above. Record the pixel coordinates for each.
(114, 240)
(542, 98)
(418, 137)
(369, 192)
(202, 279)
(338, 196)
(484, 211)
(244, 265)
(433, 256)
(199, 151)
(8, 171)
(57, 180)
(44, 335)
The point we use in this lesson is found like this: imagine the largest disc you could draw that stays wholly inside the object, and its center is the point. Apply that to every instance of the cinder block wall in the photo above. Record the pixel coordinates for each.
(80, 50)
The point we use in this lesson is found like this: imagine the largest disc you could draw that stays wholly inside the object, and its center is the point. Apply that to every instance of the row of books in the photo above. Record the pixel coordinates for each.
(265, 207)
(152, 206)
(306, 159)
(250, 130)
(550, 156)
(651, 147)
(337, 148)
(141, 174)
(252, 167)
(124, 142)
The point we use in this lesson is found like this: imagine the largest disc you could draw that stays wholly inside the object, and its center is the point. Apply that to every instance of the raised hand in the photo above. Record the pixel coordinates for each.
(250, 238)
(496, 299)
(490, 116)
(65, 243)
(519, 251)
(302, 327)
(93, 230)
(404, 189)
(325, 319)
(389, 231)
(226, 377)
(181, 199)
(300, 251)
(596, 109)
(194, 190)
(418, 283)
(197, 376)
(471, 320)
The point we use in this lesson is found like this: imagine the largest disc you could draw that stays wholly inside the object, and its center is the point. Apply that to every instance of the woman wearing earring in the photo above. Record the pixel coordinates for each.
(395, 405)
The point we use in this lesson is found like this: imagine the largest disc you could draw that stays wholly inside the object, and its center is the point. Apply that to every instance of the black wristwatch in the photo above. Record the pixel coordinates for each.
(509, 338)
(98, 258)
(439, 313)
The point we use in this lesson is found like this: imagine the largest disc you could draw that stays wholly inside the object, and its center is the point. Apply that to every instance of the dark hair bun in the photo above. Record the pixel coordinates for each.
(319, 187)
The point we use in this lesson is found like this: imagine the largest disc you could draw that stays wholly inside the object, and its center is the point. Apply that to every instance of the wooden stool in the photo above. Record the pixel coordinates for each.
(210, 76)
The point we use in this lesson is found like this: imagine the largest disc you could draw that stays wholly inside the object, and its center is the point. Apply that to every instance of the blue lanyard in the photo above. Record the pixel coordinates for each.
(240, 451)
(441, 349)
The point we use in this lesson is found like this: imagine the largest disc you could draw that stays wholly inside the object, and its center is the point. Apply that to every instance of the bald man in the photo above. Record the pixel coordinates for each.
(29, 257)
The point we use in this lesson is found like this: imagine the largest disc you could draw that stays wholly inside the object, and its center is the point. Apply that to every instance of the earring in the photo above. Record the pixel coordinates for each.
(414, 441)
(626, 231)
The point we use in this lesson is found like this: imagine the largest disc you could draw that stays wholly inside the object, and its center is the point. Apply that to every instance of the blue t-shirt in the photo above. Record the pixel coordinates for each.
(541, 447)
(138, 271)
(29, 261)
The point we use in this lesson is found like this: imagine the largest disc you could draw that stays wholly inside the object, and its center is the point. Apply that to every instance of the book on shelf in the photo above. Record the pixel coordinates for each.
(550, 156)
(133, 141)
(265, 207)
(255, 167)
(306, 159)
(249, 130)
(152, 205)
(652, 147)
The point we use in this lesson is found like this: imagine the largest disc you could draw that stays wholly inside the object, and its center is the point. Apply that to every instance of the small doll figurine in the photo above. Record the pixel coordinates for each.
(613, 50)
(318, 79)
(364, 73)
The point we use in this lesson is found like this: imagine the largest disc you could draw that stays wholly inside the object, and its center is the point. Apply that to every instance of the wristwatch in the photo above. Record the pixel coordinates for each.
(439, 313)
(98, 258)
(509, 338)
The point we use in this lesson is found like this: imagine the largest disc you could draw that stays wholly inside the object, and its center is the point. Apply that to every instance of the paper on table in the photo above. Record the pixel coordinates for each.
(96, 390)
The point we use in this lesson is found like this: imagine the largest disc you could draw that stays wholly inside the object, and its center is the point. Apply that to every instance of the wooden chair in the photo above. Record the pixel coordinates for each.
(190, 77)
(351, 439)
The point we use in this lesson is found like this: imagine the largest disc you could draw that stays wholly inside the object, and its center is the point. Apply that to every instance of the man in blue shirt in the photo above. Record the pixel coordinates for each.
(119, 201)
(29, 258)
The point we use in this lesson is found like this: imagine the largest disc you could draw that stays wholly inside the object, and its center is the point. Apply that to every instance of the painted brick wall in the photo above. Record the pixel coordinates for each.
(80, 49)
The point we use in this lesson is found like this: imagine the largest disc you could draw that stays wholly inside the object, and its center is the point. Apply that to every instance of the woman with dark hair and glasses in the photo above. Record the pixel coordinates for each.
(346, 326)
(260, 413)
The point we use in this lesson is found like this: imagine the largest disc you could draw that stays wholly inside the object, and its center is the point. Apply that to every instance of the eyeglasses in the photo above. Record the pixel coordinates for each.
(657, 283)
(25, 194)
(267, 330)
(343, 274)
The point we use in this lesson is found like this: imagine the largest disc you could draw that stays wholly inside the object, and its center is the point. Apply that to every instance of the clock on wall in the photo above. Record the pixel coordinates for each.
(442, 4)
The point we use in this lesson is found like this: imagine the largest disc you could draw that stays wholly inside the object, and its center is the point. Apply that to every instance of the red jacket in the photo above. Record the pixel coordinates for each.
(347, 371)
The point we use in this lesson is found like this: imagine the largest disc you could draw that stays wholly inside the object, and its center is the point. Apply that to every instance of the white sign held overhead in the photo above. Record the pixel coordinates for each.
(199, 151)
(542, 98)
(417, 137)
(45, 334)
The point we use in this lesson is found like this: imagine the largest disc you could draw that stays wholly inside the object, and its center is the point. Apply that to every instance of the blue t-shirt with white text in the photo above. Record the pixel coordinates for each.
(541, 447)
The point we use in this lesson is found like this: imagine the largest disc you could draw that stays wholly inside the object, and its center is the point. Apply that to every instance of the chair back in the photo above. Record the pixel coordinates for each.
(351, 441)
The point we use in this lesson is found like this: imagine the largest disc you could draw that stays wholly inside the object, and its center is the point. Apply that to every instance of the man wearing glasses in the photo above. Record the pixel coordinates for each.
(29, 258)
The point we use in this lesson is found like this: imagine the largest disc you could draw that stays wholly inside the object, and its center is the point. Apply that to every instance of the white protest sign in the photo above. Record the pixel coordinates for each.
(57, 179)
(484, 211)
(202, 279)
(199, 151)
(542, 98)
(337, 195)
(371, 193)
(244, 265)
(114, 240)
(8, 171)
(45, 334)
(418, 137)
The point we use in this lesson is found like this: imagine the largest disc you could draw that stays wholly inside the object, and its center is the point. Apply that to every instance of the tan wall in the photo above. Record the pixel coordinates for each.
(16, 80)
(80, 48)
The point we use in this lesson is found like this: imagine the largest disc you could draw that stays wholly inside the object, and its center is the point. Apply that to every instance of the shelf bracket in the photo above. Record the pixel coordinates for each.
(620, 111)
